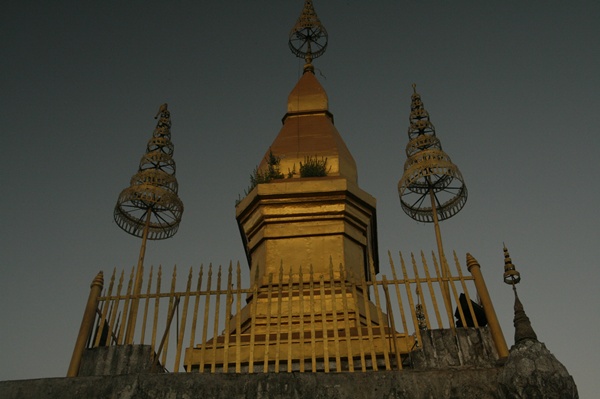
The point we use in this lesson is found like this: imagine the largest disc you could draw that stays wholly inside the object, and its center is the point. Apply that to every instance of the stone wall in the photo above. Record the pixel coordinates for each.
(458, 383)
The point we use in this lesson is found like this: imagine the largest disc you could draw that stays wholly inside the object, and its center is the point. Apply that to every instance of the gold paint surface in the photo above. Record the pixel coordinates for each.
(308, 131)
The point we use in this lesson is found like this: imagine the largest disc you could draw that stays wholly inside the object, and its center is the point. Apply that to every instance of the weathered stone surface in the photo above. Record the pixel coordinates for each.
(532, 372)
(466, 347)
(461, 383)
(115, 360)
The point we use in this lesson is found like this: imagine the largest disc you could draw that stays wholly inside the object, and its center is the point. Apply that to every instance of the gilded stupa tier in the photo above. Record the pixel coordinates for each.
(308, 131)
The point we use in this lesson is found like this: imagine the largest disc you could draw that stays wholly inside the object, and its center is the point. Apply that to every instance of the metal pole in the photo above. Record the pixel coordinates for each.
(87, 325)
(495, 329)
(137, 289)
(438, 236)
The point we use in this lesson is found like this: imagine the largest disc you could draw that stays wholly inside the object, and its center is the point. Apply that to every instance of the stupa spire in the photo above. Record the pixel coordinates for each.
(150, 207)
(308, 37)
(523, 328)
(432, 188)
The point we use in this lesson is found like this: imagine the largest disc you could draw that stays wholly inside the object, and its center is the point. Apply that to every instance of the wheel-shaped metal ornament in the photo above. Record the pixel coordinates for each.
(308, 38)
(150, 204)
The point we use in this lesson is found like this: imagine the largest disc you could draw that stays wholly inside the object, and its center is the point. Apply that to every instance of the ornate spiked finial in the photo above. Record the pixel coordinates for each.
(308, 37)
(523, 328)
(428, 172)
(151, 201)
(511, 275)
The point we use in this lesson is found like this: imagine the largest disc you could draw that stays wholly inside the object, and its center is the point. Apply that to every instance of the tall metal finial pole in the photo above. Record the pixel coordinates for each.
(308, 37)
(432, 188)
(523, 328)
(150, 207)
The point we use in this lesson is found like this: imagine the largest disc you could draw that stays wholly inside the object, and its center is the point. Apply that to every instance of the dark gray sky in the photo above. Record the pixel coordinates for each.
(512, 88)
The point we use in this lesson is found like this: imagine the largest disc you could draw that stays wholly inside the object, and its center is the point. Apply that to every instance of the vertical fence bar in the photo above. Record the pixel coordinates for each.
(459, 308)
(313, 334)
(268, 329)
(392, 322)
(399, 297)
(254, 306)
(346, 319)
(278, 330)
(431, 291)
(419, 291)
(361, 341)
(411, 303)
(213, 366)
(186, 301)
(195, 315)
(336, 334)
(238, 320)
(121, 335)
(156, 307)
(146, 304)
(165, 337)
(87, 324)
(205, 322)
(290, 326)
(228, 304)
(445, 294)
(367, 305)
(302, 339)
(168, 330)
(115, 310)
(324, 323)
(386, 355)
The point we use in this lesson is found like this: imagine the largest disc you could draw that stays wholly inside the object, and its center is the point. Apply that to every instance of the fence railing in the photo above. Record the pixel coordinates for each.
(299, 321)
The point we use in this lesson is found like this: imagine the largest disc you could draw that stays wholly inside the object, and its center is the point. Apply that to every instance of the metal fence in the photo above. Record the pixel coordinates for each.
(206, 322)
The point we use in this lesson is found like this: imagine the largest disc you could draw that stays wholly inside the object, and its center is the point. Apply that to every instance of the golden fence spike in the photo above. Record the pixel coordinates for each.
(195, 315)
(213, 366)
(268, 329)
(411, 302)
(336, 336)
(313, 334)
(253, 306)
(445, 295)
(369, 321)
(146, 305)
(386, 356)
(392, 322)
(301, 341)
(181, 332)
(398, 296)
(172, 299)
(121, 335)
(347, 336)
(279, 311)
(359, 328)
(227, 332)
(431, 293)
(323, 306)
(238, 319)
(156, 307)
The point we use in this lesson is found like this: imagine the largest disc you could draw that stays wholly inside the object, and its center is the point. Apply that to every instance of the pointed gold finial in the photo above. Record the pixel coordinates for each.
(414, 86)
(308, 37)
